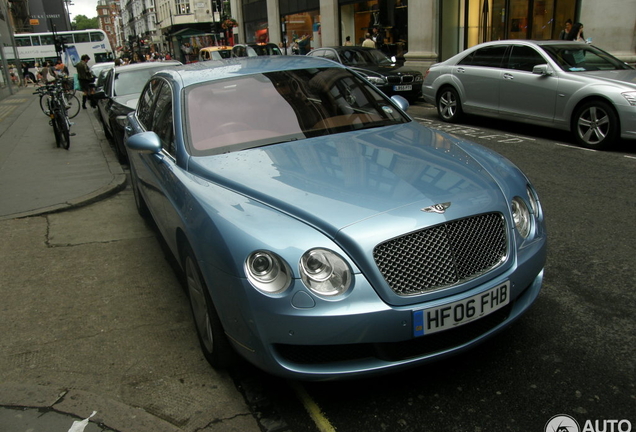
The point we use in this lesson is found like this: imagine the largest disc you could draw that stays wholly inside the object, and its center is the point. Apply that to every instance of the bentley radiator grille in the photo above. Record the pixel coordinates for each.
(442, 255)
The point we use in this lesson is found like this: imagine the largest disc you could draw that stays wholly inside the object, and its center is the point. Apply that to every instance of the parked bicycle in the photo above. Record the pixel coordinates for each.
(71, 101)
(56, 109)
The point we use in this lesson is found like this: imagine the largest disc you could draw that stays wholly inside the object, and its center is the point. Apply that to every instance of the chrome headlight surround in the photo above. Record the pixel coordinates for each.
(535, 207)
(631, 97)
(324, 272)
(521, 216)
(377, 80)
(267, 272)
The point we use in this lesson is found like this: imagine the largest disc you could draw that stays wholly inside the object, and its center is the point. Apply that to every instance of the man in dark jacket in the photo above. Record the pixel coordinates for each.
(85, 77)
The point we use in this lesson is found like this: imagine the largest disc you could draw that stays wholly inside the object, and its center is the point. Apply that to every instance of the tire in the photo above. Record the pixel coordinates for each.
(74, 106)
(64, 132)
(214, 343)
(140, 203)
(44, 103)
(449, 107)
(595, 125)
(56, 132)
(120, 151)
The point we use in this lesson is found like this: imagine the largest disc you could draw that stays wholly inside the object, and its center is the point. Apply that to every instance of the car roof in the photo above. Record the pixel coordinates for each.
(348, 48)
(195, 73)
(147, 65)
(216, 48)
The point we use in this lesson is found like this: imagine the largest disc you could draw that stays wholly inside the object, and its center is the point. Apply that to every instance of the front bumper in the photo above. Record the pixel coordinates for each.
(299, 336)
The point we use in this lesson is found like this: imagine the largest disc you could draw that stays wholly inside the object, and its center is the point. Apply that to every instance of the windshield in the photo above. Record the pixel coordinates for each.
(581, 57)
(263, 109)
(133, 81)
(370, 57)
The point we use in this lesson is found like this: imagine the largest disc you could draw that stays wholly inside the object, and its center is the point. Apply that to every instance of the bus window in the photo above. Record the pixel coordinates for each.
(97, 37)
(35, 40)
(22, 41)
(46, 39)
(67, 39)
(82, 37)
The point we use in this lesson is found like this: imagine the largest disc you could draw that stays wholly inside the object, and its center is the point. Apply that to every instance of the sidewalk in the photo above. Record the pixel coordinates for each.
(36, 177)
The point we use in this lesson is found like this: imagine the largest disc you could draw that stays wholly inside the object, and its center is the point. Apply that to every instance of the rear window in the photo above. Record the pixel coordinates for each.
(490, 56)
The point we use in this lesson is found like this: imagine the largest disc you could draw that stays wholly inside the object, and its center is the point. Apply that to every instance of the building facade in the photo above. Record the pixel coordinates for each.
(109, 17)
(419, 32)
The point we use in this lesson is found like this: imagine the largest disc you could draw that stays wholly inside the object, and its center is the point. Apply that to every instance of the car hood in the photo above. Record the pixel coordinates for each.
(623, 77)
(339, 180)
(384, 70)
(130, 101)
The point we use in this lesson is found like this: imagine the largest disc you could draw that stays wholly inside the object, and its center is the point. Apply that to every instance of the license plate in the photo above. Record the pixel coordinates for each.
(433, 320)
(403, 88)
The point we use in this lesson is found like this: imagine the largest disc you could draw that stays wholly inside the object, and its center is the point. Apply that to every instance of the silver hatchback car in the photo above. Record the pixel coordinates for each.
(562, 84)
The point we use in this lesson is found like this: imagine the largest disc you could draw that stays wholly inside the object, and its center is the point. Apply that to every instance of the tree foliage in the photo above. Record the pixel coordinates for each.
(82, 22)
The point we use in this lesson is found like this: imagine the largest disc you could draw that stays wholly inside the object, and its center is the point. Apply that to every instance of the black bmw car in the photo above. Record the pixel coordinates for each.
(382, 71)
(118, 94)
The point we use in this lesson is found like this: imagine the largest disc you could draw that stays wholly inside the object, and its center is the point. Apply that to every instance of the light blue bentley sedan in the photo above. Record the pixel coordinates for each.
(323, 233)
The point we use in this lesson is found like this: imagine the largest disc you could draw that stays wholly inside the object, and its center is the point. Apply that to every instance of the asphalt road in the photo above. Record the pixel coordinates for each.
(573, 353)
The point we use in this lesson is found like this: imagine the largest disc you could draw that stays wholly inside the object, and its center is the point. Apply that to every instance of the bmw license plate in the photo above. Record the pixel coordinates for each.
(427, 321)
(402, 87)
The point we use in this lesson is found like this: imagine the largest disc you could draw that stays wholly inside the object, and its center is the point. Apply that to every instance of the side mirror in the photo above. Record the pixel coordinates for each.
(144, 142)
(401, 102)
(542, 69)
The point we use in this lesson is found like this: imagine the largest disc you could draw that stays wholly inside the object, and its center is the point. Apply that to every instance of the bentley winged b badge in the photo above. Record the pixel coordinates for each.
(437, 208)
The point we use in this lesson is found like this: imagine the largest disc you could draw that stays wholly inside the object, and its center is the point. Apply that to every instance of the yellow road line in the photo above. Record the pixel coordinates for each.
(312, 408)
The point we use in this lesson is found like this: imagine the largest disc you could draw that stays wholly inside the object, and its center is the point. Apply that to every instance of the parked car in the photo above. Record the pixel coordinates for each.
(98, 67)
(215, 53)
(118, 96)
(334, 236)
(242, 50)
(266, 48)
(562, 84)
(382, 71)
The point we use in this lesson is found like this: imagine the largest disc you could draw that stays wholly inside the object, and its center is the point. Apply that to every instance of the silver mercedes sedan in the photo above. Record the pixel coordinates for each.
(561, 84)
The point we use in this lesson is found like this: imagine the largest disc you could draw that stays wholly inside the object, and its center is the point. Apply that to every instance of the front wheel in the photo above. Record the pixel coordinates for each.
(449, 107)
(214, 343)
(595, 125)
(64, 131)
(73, 106)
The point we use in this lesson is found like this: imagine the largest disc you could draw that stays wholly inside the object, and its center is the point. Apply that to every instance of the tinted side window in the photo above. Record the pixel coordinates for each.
(491, 56)
(162, 119)
(524, 58)
(331, 55)
(145, 105)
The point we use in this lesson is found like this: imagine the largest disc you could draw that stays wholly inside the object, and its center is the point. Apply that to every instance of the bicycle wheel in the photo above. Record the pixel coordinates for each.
(73, 106)
(45, 100)
(56, 131)
(63, 127)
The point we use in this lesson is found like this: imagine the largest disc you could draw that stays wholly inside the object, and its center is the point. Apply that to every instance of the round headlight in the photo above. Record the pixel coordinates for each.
(324, 272)
(267, 272)
(521, 216)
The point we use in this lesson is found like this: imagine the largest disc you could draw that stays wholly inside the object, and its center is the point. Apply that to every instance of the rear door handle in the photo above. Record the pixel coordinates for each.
(508, 76)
